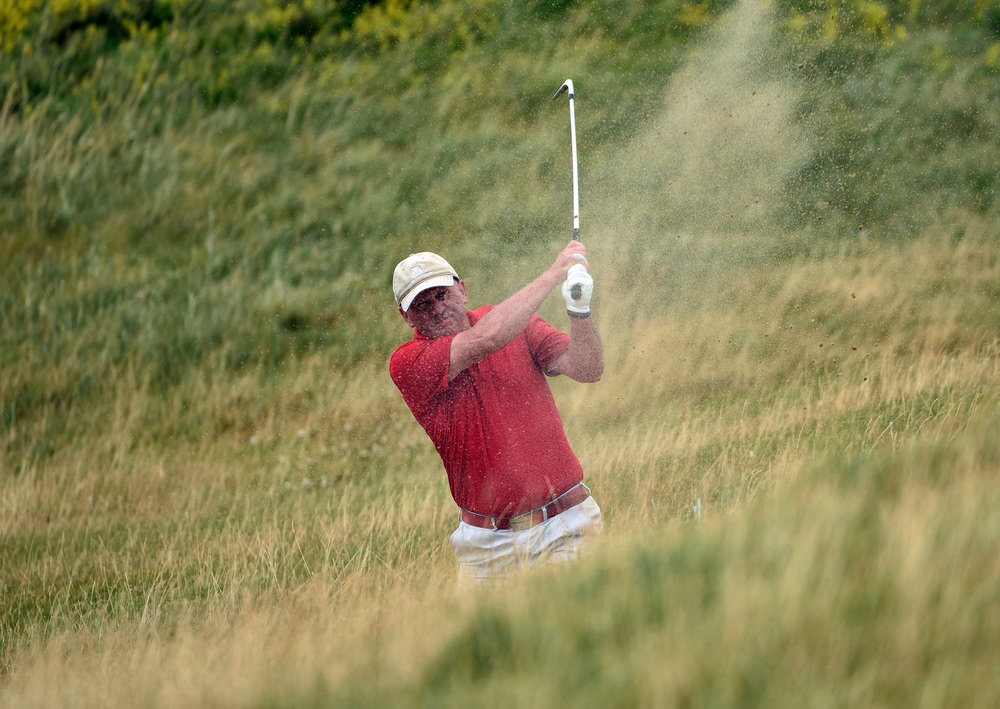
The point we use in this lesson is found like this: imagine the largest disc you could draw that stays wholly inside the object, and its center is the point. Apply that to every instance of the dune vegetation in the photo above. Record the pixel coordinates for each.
(211, 493)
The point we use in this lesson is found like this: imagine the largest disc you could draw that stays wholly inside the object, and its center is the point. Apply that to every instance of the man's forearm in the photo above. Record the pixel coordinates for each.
(506, 321)
(583, 361)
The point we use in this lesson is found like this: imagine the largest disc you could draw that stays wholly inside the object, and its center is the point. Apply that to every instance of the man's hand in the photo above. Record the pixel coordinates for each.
(578, 289)
(583, 361)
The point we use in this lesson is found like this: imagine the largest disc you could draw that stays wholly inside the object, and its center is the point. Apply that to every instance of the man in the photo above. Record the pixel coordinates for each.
(475, 380)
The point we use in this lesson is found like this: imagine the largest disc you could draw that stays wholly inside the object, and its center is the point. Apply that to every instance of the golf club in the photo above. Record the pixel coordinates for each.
(568, 86)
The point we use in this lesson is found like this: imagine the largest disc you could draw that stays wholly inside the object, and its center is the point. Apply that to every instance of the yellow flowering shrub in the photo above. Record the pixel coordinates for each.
(883, 21)
(694, 15)
(394, 22)
(992, 58)
(15, 16)
(874, 19)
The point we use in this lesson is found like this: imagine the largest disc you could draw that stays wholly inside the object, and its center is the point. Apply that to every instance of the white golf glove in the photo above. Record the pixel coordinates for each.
(577, 290)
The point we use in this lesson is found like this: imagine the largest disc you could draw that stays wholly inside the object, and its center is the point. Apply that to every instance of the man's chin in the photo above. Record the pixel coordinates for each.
(445, 328)
(443, 331)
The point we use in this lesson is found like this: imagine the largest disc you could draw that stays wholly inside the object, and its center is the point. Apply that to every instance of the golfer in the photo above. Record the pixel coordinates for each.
(476, 381)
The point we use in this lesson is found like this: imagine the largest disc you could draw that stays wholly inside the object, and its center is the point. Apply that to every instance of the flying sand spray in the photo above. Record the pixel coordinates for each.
(568, 87)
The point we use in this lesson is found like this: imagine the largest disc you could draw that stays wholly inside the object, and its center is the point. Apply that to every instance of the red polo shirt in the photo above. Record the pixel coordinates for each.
(495, 426)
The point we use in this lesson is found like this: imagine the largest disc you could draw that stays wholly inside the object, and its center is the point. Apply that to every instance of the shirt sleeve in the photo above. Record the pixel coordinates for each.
(420, 371)
(545, 342)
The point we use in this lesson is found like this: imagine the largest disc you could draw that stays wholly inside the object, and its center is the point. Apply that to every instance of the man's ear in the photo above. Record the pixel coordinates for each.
(406, 316)
(465, 293)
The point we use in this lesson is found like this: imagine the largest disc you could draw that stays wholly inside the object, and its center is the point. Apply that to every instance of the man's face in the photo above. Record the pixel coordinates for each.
(439, 312)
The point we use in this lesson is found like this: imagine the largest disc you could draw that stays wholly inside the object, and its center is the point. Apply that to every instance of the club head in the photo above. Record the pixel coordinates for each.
(567, 86)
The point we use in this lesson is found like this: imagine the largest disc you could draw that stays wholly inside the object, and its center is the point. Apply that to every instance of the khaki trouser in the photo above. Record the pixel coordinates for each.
(486, 554)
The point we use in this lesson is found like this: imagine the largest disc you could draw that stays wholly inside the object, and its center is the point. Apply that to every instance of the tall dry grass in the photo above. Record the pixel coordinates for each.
(831, 404)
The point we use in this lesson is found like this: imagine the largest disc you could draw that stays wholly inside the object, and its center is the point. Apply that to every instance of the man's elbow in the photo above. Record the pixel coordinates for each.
(585, 370)
(590, 375)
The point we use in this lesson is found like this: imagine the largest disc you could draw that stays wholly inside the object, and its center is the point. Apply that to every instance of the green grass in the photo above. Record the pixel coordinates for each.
(212, 495)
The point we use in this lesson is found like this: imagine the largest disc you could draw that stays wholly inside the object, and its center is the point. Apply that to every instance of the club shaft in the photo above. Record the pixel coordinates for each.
(568, 88)
(576, 176)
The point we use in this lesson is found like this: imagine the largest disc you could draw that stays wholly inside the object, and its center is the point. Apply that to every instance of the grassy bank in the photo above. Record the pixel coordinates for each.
(212, 494)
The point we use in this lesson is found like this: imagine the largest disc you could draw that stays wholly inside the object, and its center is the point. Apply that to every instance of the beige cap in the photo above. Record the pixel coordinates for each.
(417, 273)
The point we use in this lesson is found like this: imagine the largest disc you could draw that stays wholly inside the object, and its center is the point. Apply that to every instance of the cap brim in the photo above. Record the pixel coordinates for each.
(433, 282)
